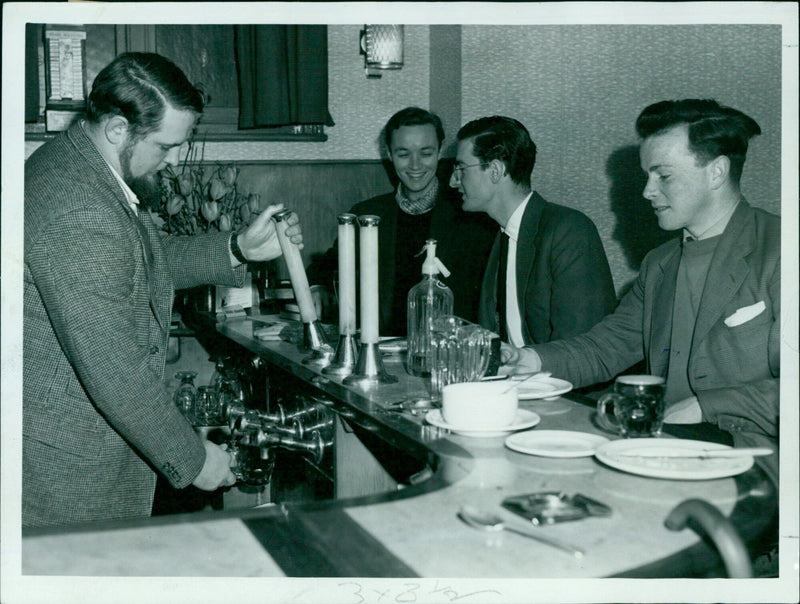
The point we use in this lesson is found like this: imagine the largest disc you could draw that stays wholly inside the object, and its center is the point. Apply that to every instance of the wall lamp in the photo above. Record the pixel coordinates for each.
(382, 47)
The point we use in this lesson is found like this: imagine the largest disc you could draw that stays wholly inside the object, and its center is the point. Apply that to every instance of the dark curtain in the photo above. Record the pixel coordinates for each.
(33, 36)
(283, 75)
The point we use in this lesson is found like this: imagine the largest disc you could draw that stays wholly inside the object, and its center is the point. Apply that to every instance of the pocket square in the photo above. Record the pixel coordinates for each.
(745, 314)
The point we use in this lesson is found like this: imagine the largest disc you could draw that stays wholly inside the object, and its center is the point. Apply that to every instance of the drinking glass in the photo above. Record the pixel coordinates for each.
(186, 393)
(254, 465)
(635, 408)
(206, 406)
(225, 382)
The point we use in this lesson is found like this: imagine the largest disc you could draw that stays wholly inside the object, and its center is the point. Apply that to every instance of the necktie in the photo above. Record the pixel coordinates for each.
(501, 286)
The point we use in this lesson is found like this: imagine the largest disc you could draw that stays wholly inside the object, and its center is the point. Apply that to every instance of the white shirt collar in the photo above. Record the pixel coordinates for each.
(130, 196)
(512, 226)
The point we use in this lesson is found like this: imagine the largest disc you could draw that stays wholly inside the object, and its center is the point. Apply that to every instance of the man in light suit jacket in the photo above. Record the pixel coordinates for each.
(99, 281)
(704, 311)
(547, 276)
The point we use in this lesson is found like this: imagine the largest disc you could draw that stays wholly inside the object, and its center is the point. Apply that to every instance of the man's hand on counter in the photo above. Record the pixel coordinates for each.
(216, 470)
(522, 360)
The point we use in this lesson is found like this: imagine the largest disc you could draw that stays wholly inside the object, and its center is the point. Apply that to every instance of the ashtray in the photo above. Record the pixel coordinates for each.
(414, 406)
(550, 507)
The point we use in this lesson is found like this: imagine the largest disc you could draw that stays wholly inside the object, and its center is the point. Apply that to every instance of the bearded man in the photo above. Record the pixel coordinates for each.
(99, 284)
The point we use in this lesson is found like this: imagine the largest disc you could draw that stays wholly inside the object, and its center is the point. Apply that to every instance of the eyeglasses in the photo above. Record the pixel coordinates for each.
(457, 170)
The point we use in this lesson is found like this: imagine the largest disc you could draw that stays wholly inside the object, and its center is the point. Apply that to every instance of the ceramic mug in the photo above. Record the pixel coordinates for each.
(635, 408)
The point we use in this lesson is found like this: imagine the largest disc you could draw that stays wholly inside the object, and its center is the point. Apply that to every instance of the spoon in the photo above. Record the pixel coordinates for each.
(517, 383)
(487, 521)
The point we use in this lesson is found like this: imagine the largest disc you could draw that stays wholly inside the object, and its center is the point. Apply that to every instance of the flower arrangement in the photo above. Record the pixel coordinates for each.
(201, 198)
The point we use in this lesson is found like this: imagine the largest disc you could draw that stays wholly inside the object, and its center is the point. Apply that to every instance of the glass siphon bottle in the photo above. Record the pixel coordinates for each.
(427, 301)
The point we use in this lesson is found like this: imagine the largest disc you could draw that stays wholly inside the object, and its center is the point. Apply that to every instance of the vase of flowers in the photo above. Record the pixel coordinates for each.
(200, 198)
(197, 198)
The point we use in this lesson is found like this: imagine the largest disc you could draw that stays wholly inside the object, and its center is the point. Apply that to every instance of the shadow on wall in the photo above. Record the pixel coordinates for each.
(637, 228)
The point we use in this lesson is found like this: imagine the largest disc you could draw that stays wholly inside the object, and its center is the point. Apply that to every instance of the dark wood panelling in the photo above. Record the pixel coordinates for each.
(317, 191)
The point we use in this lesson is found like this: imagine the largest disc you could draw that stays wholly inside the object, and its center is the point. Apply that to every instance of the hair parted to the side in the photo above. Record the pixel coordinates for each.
(506, 139)
(138, 86)
(714, 129)
(411, 116)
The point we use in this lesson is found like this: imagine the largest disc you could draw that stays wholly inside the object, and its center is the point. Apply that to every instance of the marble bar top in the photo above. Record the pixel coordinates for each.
(414, 532)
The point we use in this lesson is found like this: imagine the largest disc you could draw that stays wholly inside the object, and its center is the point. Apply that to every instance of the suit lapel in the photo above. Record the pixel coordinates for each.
(726, 273)
(663, 301)
(145, 228)
(526, 255)
(487, 309)
(160, 287)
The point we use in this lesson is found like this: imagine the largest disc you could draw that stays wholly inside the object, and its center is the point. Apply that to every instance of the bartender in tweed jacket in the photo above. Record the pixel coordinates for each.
(99, 284)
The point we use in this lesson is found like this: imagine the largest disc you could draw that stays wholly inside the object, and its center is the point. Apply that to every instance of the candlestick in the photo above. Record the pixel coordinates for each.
(368, 240)
(347, 274)
(369, 369)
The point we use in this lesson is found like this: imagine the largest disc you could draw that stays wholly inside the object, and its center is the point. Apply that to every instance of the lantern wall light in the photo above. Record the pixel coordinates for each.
(382, 47)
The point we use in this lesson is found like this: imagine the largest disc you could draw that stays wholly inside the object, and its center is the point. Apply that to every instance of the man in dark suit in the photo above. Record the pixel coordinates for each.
(547, 277)
(704, 311)
(99, 281)
(420, 208)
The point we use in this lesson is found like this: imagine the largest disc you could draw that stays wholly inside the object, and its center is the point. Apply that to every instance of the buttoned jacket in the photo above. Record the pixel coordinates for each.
(734, 360)
(564, 284)
(98, 290)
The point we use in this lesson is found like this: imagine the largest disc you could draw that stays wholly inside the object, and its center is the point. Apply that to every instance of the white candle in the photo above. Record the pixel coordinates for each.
(297, 272)
(347, 274)
(368, 243)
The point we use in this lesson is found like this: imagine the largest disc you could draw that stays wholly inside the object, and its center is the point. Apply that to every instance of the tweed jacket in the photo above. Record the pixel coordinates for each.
(734, 360)
(463, 243)
(97, 419)
(564, 284)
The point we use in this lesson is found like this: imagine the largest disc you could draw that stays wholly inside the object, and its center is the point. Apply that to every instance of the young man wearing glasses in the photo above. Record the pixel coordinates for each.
(556, 278)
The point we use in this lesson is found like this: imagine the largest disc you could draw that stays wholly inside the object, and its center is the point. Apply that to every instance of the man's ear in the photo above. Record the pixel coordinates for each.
(719, 170)
(497, 169)
(116, 130)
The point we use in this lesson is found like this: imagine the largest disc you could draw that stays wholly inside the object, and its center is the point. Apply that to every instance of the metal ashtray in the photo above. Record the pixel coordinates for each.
(414, 406)
(549, 507)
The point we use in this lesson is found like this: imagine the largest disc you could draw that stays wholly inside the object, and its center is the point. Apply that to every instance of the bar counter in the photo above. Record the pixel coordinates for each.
(413, 530)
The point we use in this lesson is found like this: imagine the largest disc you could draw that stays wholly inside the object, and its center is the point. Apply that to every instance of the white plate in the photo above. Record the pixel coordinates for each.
(524, 419)
(555, 443)
(544, 387)
(693, 468)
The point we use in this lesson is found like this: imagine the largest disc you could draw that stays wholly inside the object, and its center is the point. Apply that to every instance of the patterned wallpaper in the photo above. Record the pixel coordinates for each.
(579, 88)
